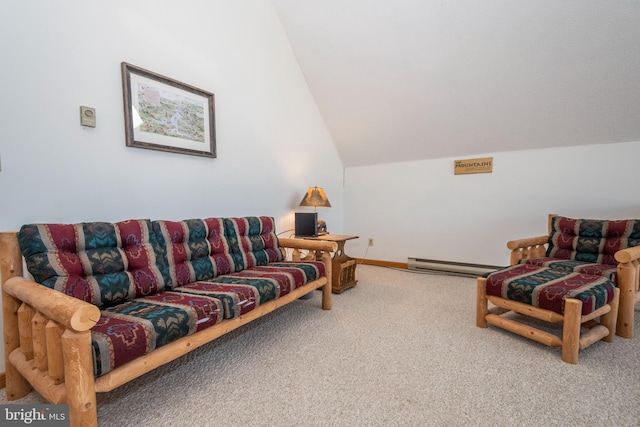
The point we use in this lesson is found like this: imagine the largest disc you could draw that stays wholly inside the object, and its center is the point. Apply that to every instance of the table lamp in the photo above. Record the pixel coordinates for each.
(315, 197)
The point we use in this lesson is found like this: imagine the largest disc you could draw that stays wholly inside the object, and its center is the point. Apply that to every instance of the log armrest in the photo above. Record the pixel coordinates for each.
(48, 347)
(312, 245)
(317, 250)
(628, 255)
(531, 247)
(68, 311)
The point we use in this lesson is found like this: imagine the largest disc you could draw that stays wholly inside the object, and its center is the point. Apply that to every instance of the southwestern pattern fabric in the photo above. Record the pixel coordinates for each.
(98, 262)
(236, 298)
(243, 291)
(252, 241)
(568, 266)
(547, 288)
(156, 282)
(135, 328)
(590, 240)
(195, 249)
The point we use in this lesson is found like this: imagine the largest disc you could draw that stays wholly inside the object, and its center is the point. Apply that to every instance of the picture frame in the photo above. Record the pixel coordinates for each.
(164, 114)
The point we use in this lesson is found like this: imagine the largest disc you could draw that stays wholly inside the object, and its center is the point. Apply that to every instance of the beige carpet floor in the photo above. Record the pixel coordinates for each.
(399, 349)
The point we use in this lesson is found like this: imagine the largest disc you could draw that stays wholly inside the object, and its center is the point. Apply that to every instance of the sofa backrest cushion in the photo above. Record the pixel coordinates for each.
(252, 241)
(98, 262)
(591, 240)
(195, 249)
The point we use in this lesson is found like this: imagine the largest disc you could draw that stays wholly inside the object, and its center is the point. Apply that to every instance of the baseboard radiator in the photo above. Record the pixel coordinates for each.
(449, 267)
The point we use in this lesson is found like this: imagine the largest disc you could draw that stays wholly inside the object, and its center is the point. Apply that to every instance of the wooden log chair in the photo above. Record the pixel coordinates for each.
(584, 273)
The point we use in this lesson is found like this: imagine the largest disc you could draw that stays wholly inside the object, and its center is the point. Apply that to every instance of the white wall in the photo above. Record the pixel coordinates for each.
(272, 143)
(421, 209)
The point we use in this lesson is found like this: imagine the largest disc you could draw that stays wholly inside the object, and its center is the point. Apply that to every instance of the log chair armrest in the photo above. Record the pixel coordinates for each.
(531, 247)
(68, 311)
(628, 255)
(527, 242)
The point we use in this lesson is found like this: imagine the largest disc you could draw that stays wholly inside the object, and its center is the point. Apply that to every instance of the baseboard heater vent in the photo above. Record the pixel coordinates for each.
(449, 267)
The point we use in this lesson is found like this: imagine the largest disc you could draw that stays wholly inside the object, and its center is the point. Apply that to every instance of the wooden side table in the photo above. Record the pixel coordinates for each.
(343, 266)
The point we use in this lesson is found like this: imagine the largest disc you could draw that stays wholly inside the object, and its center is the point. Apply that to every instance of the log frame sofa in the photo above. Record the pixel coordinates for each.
(48, 342)
(583, 270)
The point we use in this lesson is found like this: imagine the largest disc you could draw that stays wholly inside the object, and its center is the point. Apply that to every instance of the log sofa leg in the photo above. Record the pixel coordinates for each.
(326, 289)
(571, 330)
(78, 372)
(626, 283)
(482, 308)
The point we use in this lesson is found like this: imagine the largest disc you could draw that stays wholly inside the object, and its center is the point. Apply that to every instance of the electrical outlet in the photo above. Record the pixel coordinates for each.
(370, 241)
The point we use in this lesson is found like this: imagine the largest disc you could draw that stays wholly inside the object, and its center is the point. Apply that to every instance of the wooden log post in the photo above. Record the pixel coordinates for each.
(79, 379)
(55, 357)
(610, 319)
(482, 305)
(571, 330)
(39, 323)
(25, 328)
(326, 289)
(627, 273)
(11, 266)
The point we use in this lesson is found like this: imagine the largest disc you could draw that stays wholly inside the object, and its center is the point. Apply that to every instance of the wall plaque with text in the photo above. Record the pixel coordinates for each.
(468, 166)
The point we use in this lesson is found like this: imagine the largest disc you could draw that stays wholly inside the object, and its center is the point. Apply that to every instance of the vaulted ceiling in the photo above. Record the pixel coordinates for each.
(419, 79)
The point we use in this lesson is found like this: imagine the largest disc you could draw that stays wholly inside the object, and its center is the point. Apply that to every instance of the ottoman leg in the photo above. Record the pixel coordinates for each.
(571, 330)
(611, 318)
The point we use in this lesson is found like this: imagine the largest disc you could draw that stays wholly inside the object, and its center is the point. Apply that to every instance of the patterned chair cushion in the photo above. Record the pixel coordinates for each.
(98, 262)
(568, 266)
(547, 288)
(252, 241)
(590, 240)
(243, 291)
(135, 328)
(195, 249)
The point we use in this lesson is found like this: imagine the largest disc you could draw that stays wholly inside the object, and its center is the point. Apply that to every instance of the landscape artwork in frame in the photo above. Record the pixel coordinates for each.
(163, 114)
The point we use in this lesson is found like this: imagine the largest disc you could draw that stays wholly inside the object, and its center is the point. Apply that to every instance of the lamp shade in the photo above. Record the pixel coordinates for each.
(315, 197)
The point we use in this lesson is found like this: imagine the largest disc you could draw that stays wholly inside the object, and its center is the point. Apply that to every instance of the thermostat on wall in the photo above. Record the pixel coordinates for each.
(87, 116)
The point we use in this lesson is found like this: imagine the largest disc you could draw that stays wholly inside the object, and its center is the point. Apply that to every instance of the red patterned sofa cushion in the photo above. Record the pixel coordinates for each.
(243, 291)
(135, 328)
(252, 241)
(547, 288)
(98, 262)
(195, 249)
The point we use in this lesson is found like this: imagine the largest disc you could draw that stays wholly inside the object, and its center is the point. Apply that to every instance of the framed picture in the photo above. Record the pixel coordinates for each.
(163, 114)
